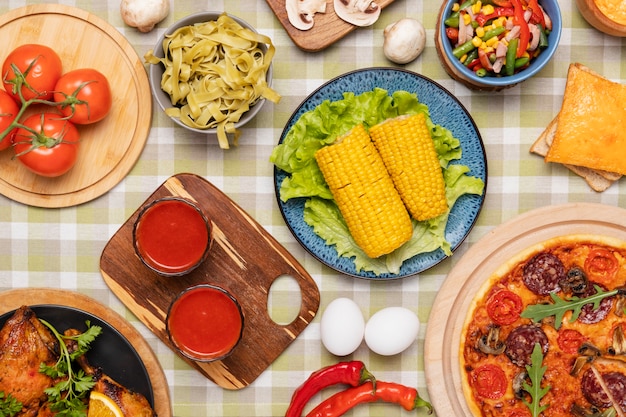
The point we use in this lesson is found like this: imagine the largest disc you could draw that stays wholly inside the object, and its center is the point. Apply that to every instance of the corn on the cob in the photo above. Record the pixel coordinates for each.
(364, 193)
(409, 154)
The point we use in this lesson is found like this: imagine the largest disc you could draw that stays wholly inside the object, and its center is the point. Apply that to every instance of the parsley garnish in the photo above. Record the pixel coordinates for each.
(535, 373)
(538, 312)
(66, 397)
(9, 405)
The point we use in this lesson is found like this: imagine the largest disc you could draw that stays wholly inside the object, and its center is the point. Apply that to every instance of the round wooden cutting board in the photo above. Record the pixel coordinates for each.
(12, 299)
(443, 334)
(109, 148)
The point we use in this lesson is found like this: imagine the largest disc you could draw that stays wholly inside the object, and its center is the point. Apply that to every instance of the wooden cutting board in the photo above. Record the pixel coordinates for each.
(109, 148)
(447, 317)
(13, 299)
(328, 28)
(244, 259)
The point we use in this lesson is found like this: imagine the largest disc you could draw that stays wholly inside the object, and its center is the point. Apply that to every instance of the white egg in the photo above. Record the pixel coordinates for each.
(391, 330)
(342, 327)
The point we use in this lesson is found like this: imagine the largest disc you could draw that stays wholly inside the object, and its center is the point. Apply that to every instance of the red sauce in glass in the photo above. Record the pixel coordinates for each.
(172, 236)
(205, 323)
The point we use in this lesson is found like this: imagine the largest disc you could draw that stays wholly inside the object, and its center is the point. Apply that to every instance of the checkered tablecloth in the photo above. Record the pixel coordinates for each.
(61, 248)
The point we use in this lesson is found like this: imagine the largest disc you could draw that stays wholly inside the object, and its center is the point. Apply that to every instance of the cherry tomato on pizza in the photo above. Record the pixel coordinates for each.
(40, 67)
(47, 144)
(489, 381)
(8, 111)
(570, 340)
(504, 307)
(86, 95)
(601, 265)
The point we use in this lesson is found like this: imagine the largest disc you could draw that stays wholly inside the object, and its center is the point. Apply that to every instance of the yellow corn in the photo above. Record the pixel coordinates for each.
(364, 193)
(409, 154)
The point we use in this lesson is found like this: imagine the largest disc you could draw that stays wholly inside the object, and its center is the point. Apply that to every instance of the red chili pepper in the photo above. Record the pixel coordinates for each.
(524, 36)
(352, 373)
(391, 392)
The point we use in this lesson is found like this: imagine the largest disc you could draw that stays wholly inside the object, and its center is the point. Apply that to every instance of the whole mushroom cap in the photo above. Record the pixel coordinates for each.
(404, 40)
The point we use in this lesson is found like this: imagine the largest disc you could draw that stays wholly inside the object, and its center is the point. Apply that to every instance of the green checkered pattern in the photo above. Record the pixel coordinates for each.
(61, 248)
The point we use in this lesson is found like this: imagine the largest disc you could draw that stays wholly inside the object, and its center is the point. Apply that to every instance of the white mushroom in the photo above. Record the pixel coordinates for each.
(144, 14)
(404, 40)
(357, 12)
(301, 13)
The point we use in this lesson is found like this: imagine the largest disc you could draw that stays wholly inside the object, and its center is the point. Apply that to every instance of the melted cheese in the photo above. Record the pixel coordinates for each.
(613, 9)
(590, 131)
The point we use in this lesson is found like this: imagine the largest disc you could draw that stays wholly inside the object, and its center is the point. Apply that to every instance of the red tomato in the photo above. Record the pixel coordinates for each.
(8, 111)
(41, 67)
(53, 150)
(489, 381)
(504, 307)
(570, 340)
(601, 265)
(87, 94)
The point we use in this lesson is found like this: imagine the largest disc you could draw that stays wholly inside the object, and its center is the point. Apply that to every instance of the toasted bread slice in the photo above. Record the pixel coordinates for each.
(590, 130)
(597, 180)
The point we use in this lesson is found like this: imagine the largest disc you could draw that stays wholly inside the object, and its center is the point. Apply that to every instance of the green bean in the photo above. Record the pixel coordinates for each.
(511, 51)
(471, 56)
(543, 38)
(493, 32)
(481, 72)
(453, 19)
(520, 62)
(463, 49)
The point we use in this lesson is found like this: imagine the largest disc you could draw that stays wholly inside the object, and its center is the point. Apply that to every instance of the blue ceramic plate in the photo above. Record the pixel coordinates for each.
(111, 351)
(445, 110)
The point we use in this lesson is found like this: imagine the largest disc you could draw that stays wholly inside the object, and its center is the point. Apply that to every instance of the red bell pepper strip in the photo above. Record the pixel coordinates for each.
(484, 60)
(537, 16)
(452, 34)
(352, 373)
(502, 3)
(524, 36)
(482, 19)
(391, 392)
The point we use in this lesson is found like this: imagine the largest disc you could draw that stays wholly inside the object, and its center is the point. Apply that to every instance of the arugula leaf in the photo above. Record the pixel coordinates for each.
(66, 396)
(538, 312)
(535, 373)
(9, 405)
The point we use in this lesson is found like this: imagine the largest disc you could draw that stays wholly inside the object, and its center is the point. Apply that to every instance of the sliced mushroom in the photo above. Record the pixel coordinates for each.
(301, 13)
(518, 385)
(357, 12)
(618, 345)
(491, 343)
(575, 281)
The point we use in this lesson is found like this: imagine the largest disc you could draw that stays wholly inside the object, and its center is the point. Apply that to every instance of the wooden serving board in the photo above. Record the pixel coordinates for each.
(109, 148)
(447, 317)
(13, 299)
(328, 28)
(244, 259)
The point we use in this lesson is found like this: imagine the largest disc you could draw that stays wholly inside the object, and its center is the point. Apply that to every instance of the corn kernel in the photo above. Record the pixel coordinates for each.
(480, 31)
(488, 9)
(463, 58)
(467, 19)
(456, 7)
(492, 42)
(476, 7)
(476, 41)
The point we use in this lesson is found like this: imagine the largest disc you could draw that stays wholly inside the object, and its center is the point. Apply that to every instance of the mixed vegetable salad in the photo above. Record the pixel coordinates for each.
(497, 37)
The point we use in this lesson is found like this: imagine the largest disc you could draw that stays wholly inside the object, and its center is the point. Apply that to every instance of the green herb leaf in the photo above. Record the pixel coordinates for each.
(535, 373)
(538, 312)
(9, 405)
(66, 396)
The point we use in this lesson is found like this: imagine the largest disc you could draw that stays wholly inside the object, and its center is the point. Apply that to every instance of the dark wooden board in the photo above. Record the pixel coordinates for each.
(244, 259)
(12, 299)
(328, 28)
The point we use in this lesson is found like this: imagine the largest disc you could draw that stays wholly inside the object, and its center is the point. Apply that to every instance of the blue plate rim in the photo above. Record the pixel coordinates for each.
(278, 173)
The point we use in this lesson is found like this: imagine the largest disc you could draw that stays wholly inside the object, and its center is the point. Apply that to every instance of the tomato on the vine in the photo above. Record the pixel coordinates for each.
(86, 94)
(8, 111)
(41, 68)
(47, 144)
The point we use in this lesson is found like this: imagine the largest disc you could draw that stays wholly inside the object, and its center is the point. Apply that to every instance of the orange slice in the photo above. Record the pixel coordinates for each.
(101, 405)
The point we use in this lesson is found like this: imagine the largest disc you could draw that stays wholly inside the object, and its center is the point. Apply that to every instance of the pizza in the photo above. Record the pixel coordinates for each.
(544, 335)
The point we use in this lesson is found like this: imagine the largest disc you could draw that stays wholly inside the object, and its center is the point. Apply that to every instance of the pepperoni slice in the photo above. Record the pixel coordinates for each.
(593, 392)
(601, 265)
(543, 272)
(489, 381)
(504, 307)
(570, 340)
(591, 315)
(521, 342)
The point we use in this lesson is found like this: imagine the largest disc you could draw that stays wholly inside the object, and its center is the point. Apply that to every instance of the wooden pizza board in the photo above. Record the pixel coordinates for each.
(109, 148)
(328, 28)
(13, 299)
(244, 259)
(447, 317)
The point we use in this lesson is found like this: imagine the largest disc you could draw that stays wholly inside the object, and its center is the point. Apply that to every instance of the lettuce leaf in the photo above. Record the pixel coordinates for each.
(320, 127)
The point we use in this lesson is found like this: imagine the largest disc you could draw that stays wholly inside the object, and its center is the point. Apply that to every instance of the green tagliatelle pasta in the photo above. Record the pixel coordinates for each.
(214, 72)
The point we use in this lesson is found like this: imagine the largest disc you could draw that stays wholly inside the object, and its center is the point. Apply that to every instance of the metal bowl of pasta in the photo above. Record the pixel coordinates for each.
(211, 73)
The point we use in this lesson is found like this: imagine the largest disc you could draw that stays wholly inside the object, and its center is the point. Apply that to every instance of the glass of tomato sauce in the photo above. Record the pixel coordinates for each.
(172, 236)
(205, 323)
